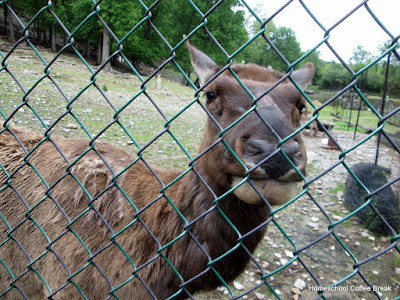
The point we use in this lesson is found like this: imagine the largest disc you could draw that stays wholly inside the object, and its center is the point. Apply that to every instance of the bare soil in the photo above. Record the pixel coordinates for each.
(304, 223)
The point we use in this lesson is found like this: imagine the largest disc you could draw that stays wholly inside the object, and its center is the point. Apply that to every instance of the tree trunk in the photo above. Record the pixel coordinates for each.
(44, 37)
(53, 32)
(11, 36)
(99, 45)
(105, 54)
(87, 45)
(38, 35)
(53, 37)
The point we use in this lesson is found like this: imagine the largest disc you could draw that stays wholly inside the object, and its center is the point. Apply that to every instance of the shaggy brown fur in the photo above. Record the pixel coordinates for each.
(130, 235)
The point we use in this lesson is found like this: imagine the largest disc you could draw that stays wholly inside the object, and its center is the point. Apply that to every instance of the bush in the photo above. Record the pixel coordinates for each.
(386, 202)
(334, 79)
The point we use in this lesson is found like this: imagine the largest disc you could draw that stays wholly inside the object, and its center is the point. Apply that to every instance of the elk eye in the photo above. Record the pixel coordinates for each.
(210, 97)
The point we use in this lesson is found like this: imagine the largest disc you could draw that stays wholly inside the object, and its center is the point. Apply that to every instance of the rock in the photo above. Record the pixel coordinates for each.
(283, 261)
(364, 234)
(288, 253)
(312, 225)
(265, 265)
(336, 217)
(259, 296)
(278, 255)
(238, 286)
(397, 271)
(223, 290)
(72, 126)
(371, 238)
(296, 291)
(332, 248)
(300, 284)
(314, 219)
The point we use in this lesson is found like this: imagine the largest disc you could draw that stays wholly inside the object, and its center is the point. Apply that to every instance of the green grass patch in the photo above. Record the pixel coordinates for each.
(341, 187)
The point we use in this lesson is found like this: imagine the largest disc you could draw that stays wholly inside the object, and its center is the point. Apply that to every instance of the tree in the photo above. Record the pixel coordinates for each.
(226, 24)
(10, 23)
(360, 56)
(393, 82)
(283, 38)
(334, 76)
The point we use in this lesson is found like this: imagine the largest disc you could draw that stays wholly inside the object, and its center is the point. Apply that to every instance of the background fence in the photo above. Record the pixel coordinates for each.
(309, 246)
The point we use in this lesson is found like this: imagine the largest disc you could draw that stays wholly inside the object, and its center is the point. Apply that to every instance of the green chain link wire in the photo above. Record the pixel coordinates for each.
(71, 103)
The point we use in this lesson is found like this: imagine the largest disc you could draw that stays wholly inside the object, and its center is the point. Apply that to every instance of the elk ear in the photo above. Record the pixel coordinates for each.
(202, 64)
(304, 76)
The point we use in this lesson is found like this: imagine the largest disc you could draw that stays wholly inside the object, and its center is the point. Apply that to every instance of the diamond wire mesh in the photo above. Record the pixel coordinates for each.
(70, 109)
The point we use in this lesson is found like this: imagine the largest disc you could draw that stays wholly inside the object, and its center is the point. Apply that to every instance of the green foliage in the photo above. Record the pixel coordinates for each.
(174, 18)
(360, 56)
(334, 76)
(284, 39)
(143, 43)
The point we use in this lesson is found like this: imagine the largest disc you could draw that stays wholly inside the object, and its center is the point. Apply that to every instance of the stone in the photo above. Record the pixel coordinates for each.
(296, 291)
(283, 261)
(288, 253)
(300, 284)
(315, 219)
(72, 126)
(364, 234)
(238, 286)
(259, 296)
(312, 225)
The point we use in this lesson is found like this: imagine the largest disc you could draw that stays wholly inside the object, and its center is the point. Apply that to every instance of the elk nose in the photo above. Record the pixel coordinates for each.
(275, 161)
(262, 151)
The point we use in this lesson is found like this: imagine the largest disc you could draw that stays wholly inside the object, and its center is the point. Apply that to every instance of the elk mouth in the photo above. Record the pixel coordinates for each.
(276, 192)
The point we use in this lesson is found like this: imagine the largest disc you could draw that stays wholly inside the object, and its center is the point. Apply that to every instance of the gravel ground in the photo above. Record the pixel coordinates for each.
(304, 223)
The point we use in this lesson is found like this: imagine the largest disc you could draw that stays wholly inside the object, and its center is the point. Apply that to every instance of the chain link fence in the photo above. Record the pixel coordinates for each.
(310, 251)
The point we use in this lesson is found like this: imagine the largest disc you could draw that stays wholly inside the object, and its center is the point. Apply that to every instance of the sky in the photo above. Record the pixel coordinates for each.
(359, 29)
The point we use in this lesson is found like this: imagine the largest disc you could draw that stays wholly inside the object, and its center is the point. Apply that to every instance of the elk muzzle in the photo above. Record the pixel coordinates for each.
(275, 167)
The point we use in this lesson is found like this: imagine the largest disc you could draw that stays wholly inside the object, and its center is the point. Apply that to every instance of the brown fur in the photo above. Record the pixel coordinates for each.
(306, 116)
(99, 238)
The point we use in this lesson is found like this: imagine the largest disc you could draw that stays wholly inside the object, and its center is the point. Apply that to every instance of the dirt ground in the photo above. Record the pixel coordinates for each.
(326, 261)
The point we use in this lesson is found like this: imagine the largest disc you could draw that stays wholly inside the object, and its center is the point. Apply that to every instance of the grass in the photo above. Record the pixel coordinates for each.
(346, 119)
(339, 188)
(141, 118)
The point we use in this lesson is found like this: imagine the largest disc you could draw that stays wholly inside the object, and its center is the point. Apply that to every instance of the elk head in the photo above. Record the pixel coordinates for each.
(255, 138)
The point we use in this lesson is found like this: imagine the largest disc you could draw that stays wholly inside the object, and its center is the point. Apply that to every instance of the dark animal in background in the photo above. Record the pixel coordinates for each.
(386, 202)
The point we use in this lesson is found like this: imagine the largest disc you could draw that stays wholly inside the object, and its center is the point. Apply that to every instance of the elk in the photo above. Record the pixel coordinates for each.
(106, 224)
